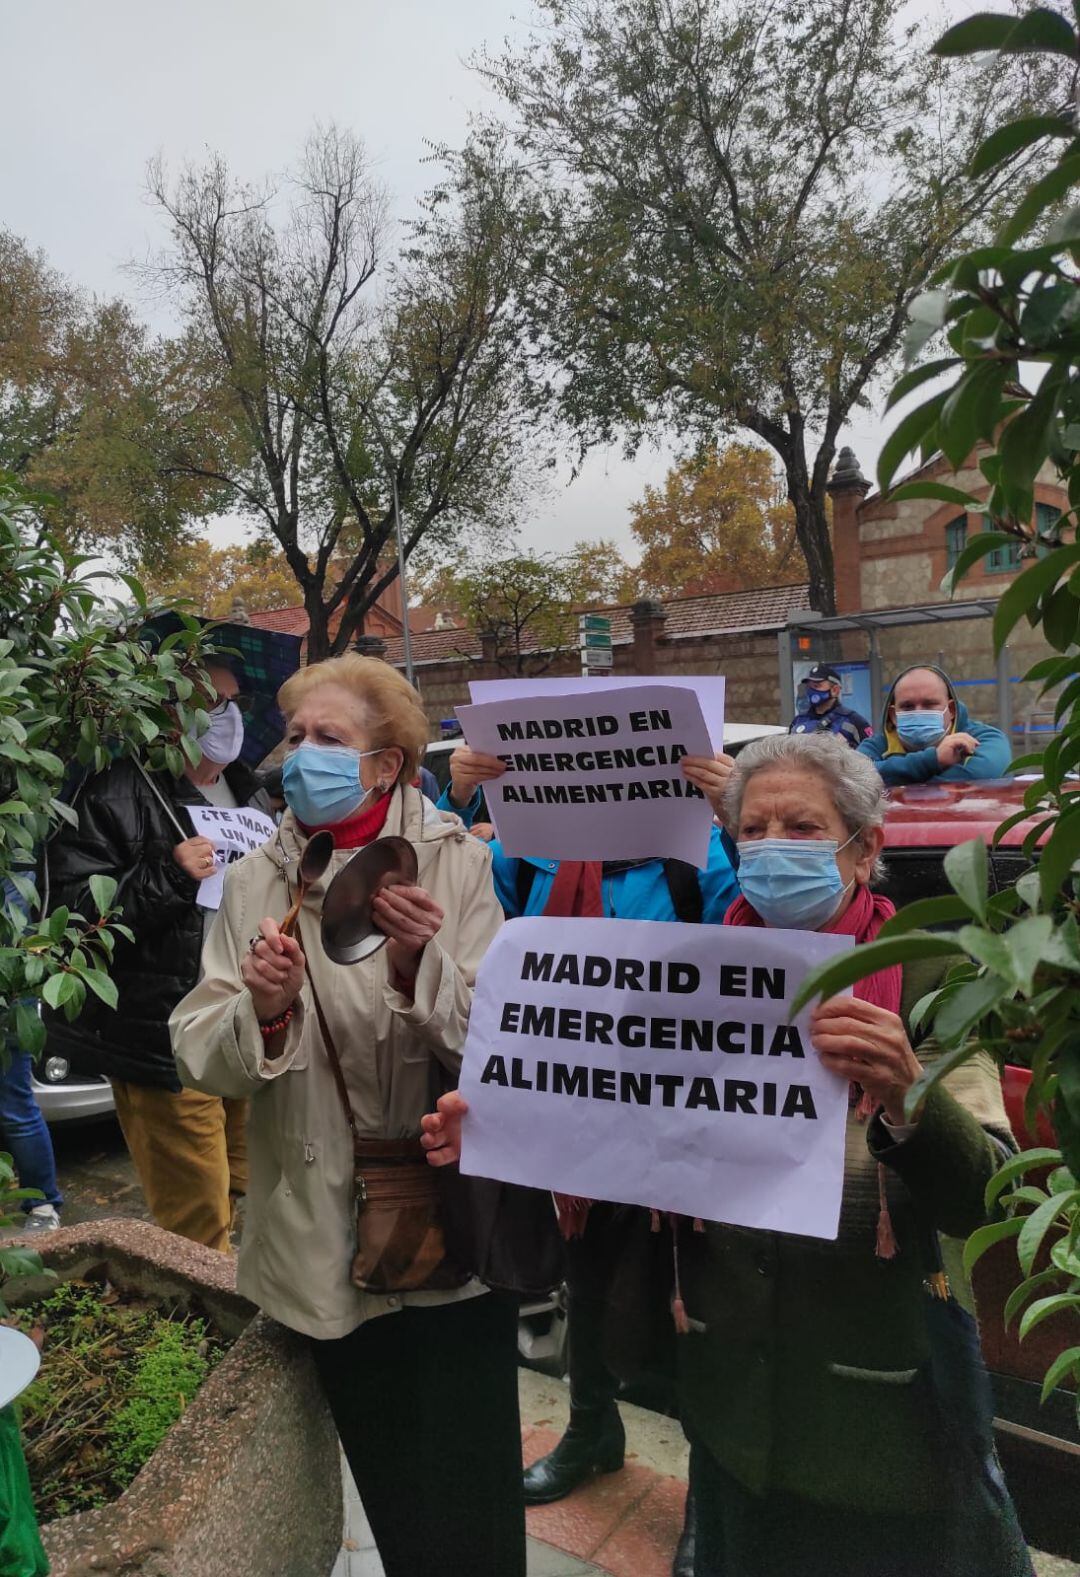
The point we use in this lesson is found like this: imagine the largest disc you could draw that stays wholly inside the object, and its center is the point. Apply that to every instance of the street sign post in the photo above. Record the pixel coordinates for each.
(594, 640)
(596, 657)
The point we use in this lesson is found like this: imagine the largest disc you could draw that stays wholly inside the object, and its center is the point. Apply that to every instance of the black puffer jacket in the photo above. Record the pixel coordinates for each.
(125, 833)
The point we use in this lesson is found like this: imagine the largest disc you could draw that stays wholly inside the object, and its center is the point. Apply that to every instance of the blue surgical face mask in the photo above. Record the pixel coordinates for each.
(321, 783)
(793, 883)
(920, 729)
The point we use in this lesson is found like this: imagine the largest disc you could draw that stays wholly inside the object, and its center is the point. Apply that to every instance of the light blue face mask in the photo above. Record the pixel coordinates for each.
(793, 883)
(321, 783)
(921, 729)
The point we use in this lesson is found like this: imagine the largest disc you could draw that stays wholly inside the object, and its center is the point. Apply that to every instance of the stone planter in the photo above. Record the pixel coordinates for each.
(247, 1483)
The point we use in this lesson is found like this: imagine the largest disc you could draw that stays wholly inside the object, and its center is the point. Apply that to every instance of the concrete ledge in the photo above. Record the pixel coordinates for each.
(247, 1481)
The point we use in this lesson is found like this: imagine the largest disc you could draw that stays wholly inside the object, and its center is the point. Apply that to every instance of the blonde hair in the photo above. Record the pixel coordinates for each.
(393, 713)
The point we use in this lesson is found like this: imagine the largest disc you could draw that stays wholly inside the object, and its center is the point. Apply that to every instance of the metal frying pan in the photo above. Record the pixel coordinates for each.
(349, 932)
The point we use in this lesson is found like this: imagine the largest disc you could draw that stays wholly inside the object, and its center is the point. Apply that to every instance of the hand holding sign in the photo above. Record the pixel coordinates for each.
(225, 835)
(867, 1045)
(470, 770)
(710, 774)
(440, 1130)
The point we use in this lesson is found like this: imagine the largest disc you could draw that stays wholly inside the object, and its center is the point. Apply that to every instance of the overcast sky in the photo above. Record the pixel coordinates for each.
(91, 91)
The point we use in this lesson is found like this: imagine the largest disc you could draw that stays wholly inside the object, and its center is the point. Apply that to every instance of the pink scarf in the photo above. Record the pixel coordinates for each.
(862, 919)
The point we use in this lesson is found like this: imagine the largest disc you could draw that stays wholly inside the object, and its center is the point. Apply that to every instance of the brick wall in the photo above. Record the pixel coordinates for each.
(749, 661)
(902, 546)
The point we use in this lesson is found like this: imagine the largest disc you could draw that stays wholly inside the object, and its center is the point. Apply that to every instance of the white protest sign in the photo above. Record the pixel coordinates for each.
(596, 777)
(709, 689)
(656, 1064)
(233, 833)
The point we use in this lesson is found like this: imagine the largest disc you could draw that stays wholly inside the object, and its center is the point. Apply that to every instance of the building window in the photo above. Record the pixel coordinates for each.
(1002, 561)
(1046, 518)
(955, 537)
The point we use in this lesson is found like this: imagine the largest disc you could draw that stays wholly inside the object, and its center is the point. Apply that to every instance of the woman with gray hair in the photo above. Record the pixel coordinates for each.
(833, 1392)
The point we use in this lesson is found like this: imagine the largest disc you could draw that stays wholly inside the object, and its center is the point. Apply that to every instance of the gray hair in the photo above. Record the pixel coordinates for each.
(853, 782)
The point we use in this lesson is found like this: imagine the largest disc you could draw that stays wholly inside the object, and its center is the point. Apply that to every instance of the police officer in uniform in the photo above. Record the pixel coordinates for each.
(824, 713)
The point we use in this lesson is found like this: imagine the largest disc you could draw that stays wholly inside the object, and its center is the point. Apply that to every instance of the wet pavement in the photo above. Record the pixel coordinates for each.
(625, 1525)
(97, 1178)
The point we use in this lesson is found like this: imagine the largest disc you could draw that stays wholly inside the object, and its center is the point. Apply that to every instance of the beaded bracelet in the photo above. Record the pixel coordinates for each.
(268, 1028)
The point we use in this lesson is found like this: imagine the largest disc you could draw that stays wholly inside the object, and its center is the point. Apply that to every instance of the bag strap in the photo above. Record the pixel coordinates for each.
(331, 1049)
(685, 890)
(523, 884)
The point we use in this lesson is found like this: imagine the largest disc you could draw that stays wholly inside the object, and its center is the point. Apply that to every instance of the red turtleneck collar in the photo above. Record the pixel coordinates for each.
(355, 831)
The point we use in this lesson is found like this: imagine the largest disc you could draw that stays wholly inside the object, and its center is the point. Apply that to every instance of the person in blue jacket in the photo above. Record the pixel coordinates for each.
(630, 889)
(594, 1441)
(927, 735)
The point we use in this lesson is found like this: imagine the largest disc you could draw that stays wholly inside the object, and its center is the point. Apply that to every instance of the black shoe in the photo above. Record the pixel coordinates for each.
(583, 1452)
(683, 1564)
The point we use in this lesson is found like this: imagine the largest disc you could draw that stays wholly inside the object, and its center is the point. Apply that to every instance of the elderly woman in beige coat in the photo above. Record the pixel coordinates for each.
(421, 1383)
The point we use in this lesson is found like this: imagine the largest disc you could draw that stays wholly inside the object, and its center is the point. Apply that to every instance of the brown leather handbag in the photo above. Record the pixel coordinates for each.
(400, 1246)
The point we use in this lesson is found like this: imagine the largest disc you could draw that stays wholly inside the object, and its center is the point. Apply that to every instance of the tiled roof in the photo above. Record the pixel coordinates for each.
(292, 621)
(724, 613)
(766, 608)
(719, 613)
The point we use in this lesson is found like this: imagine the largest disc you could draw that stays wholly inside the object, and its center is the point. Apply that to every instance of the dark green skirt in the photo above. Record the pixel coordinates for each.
(740, 1534)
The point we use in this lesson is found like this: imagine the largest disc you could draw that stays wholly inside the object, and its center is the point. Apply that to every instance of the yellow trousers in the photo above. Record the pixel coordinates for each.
(190, 1155)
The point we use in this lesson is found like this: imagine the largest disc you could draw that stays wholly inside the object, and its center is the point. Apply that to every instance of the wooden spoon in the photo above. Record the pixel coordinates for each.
(313, 862)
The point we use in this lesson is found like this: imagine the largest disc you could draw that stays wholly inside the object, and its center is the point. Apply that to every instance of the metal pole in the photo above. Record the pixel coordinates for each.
(876, 686)
(1004, 693)
(787, 678)
(404, 586)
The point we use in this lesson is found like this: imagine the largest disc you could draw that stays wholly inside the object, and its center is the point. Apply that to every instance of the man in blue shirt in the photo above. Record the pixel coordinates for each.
(927, 735)
(824, 714)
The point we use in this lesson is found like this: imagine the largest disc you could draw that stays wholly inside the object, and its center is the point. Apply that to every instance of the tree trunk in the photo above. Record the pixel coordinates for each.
(812, 532)
(318, 638)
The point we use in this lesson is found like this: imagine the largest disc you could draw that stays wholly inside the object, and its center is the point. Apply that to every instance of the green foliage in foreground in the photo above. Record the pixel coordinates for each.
(78, 689)
(1014, 982)
(116, 1374)
(14, 1260)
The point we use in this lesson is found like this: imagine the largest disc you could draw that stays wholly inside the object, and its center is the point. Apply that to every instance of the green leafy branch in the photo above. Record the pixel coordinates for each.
(1012, 958)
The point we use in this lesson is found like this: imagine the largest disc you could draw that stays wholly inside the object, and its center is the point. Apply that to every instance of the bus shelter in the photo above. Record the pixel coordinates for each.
(812, 637)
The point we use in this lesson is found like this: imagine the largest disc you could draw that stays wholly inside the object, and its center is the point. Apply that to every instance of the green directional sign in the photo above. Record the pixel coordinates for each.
(590, 622)
(591, 638)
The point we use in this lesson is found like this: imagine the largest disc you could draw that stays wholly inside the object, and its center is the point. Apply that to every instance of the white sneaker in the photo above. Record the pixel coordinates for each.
(41, 1218)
